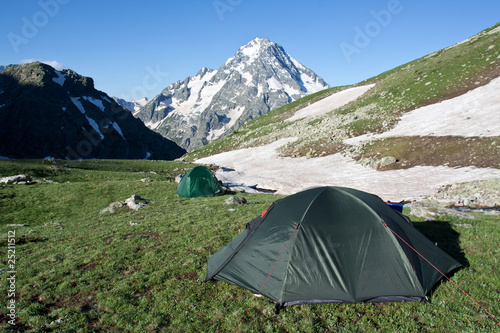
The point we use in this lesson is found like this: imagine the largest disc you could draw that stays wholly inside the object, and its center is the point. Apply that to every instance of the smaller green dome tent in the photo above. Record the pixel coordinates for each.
(199, 182)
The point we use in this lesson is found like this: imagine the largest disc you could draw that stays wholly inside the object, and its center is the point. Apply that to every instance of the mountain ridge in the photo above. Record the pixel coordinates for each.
(46, 112)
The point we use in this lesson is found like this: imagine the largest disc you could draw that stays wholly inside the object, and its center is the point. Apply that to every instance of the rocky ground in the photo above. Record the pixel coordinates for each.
(476, 194)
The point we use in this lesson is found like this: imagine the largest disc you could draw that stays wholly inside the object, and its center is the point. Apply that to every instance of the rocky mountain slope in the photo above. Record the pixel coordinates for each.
(45, 112)
(423, 125)
(260, 77)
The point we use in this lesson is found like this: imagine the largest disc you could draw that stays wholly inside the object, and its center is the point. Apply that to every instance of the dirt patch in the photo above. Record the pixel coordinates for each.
(433, 151)
(188, 276)
(87, 267)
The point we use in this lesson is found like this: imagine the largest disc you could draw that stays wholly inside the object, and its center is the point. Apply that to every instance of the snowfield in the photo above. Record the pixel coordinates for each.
(475, 113)
(330, 103)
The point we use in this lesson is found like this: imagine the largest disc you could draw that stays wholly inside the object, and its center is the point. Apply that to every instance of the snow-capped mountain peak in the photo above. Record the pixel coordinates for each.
(254, 49)
(260, 77)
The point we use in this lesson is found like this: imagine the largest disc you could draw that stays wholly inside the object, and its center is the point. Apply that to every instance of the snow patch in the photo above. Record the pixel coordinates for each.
(94, 125)
(119, 130)
(331, 102)
(231, 117)
(153, 124)
(96, 102)
(202, 93)
(60, 79)
(78, 104)
(264, 167)
(92, 122)
(474, 113)
(274, 84)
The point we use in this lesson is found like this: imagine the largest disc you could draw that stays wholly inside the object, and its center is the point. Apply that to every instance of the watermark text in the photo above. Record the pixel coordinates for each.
(11, 277)
(30, 26)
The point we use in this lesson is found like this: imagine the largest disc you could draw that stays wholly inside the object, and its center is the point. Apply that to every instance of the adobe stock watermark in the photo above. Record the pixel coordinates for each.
(363, 36)
(11, 279)
(224, 6)
(153, 80)
(31, 25)
(93, 138)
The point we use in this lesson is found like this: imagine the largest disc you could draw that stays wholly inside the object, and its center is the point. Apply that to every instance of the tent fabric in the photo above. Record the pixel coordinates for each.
(199, 182)
(340, 249)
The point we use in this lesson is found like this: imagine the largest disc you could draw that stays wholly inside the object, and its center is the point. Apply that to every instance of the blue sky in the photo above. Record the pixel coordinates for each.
(136, 48)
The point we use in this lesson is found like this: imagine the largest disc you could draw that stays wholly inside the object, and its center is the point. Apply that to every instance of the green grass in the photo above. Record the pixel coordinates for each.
(143, 271)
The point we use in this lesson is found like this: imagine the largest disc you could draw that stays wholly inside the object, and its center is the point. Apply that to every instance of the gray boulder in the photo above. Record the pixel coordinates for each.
(430, 210)
(135, 202)
(235, 201)
(19, 179)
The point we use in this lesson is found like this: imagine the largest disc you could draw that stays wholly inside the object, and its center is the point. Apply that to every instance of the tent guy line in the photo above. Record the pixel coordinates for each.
(444, 275)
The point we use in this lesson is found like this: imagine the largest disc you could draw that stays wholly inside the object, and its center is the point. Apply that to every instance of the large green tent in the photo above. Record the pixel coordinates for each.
(331, 244)
(199, 182)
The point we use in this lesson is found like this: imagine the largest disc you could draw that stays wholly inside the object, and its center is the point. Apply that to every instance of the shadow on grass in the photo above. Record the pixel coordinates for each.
(442, 234)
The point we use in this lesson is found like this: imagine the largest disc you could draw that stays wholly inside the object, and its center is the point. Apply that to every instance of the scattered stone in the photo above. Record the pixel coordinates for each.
(15, 225)
(387, 161)
(493, 212)
(178, 178)
(47, 181)
(107, 210)
(235, 201)
(146, 180)
(19, 179)
(117, 204)
(464, 225)
(57, 321)
(430, 210)
(52, 223)
(135, 202)
(476, 194)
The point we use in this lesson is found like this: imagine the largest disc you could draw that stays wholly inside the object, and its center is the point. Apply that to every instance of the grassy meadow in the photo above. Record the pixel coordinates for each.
(142, 271)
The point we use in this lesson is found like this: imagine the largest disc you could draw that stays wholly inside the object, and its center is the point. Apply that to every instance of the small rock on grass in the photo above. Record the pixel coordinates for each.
(235, 201)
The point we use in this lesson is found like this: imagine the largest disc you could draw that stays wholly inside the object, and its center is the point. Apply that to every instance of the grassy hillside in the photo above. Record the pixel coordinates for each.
(142, 271)
(438, 76)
